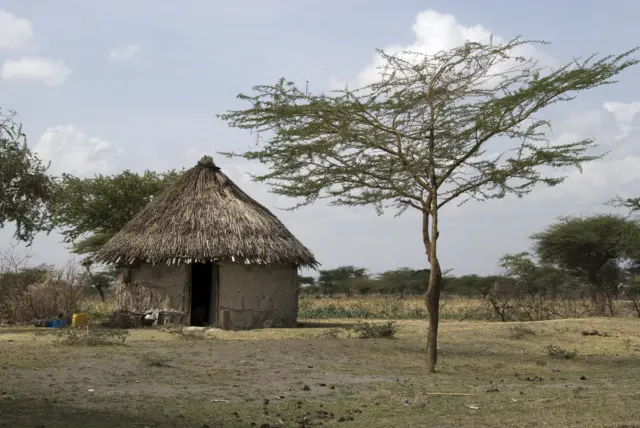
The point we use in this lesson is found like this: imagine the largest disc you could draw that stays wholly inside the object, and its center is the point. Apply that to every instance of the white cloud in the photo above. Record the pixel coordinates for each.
(599, 181)
(624, 115)
(437, 32)
(619, 171)
(123, 53)
(35, 70)
(72, 151)
(16, 34)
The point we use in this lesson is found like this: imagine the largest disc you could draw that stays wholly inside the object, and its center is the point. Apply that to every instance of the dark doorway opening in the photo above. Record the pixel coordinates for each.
(204, 291)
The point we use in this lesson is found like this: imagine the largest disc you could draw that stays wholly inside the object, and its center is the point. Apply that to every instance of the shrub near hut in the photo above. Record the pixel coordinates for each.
(40, 293)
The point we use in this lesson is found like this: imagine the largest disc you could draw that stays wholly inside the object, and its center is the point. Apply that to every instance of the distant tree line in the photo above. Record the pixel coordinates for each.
(404, 281)
(351, 280)
(596, 258)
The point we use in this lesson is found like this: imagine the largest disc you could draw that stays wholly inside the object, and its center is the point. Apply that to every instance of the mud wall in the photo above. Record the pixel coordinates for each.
(259, 296)
(148, 287)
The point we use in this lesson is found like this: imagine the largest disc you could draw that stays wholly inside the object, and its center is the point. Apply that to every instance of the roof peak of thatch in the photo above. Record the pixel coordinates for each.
(207, 161)
(205, 216)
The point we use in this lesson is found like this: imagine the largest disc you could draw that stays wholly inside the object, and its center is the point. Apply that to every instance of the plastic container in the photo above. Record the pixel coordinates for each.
(59, 323)
(79, 320)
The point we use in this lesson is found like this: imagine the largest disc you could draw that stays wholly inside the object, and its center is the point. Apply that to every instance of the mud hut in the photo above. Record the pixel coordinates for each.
(203, 252)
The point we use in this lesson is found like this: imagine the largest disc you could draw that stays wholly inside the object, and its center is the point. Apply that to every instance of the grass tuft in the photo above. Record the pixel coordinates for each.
(520, 331)
(556, 351)
(383, 330)
(155, 360)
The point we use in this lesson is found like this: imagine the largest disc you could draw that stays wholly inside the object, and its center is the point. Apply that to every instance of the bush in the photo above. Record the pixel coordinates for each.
(155, 360)
(520, 331)
(30, 293)
(99, 312)
(557, 352)
(90, 337)
(386, 330)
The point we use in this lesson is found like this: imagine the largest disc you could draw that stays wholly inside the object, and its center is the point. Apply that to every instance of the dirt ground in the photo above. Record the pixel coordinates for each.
(491, 375)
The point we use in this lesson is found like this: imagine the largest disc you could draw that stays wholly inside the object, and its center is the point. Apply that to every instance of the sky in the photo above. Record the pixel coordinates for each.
(101, 87)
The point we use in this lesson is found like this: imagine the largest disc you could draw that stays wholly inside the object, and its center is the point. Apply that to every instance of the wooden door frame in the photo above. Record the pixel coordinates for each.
(215, 275)
(187, 321)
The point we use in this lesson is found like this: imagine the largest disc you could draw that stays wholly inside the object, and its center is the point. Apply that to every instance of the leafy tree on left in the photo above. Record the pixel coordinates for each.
(89, 211)
(26, 189)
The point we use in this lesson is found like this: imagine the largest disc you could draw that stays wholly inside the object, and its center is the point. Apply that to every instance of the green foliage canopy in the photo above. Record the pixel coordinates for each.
(584, 245)
(26, 190)
(102, 205)
(333, 280)
(532, 278)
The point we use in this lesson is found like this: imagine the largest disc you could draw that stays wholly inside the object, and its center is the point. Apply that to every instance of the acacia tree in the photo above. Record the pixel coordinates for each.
(591, 248)
(531, 278)
(26, 190)
(631, 204)
(417, 137)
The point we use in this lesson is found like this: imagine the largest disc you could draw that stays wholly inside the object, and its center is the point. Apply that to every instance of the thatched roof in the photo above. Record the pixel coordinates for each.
(204, 216)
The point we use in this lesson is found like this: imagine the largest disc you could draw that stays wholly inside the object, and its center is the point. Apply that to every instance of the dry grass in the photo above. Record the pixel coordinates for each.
(318, 374)
(29, 293)
(383, 307)
(98, 311)
(451, 307)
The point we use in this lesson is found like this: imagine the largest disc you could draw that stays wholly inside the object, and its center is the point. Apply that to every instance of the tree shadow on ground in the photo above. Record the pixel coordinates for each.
(38, 412)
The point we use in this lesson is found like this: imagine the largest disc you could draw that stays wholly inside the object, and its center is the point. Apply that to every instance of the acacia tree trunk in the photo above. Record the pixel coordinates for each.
(610, 303)
(433, 306)
(597, 298)
(432, 296)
